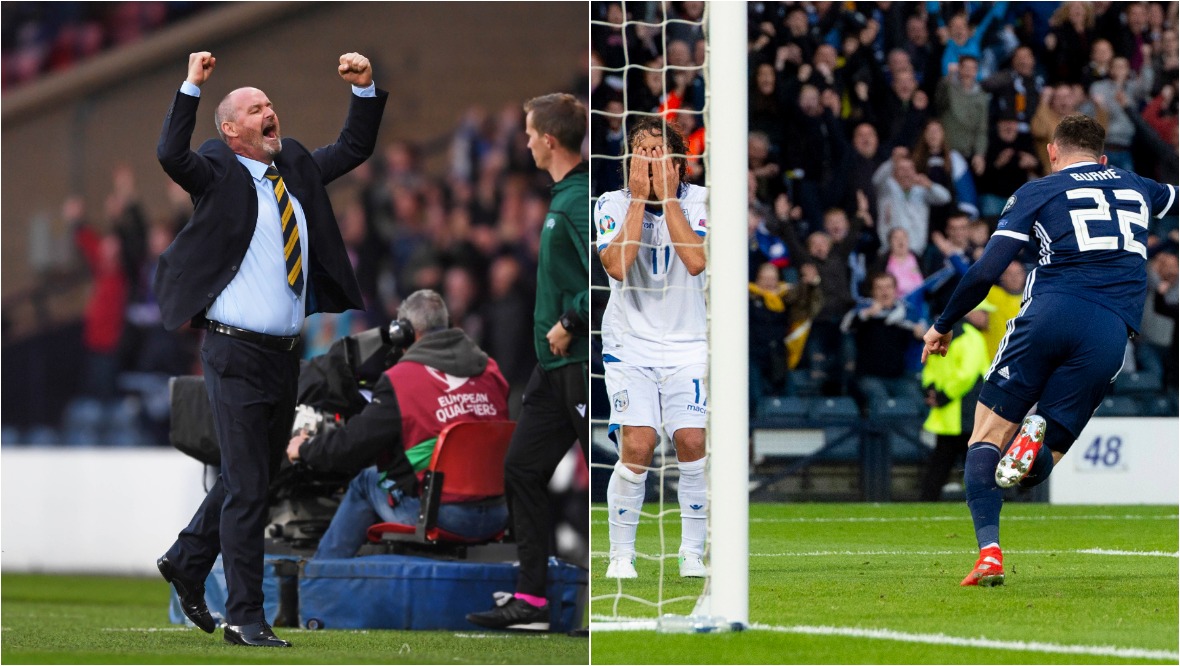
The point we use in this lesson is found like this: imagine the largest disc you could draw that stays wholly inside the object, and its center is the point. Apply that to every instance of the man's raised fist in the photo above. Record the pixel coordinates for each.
(200, 66)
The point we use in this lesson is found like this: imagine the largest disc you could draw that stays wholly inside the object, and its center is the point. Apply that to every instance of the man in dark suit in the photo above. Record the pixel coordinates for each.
(262, 251)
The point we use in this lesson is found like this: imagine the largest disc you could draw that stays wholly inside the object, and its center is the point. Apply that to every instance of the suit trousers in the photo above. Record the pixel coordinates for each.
(554, 415)
(252, 391)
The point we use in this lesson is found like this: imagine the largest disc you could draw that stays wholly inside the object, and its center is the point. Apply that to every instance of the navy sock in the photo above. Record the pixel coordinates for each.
(1041, 468)
(984, 497)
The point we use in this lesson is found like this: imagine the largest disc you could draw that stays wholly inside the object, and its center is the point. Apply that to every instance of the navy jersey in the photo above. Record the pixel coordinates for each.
(1090, 225)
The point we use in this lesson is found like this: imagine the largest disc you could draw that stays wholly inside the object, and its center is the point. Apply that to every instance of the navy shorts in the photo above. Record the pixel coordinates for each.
(1060, 353)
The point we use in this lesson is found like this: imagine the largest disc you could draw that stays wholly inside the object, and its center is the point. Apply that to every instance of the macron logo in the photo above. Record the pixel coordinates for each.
(696, 507)
(1004, 372)
(581, 407)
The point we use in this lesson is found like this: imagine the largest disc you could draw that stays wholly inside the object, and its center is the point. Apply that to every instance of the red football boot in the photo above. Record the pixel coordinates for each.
(989, 569)
(1019, 457)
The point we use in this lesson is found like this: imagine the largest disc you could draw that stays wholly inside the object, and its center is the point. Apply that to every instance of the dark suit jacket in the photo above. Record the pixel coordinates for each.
(207, 252)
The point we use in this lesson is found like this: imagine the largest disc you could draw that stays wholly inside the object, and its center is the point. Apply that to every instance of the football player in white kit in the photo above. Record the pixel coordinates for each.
(651, 240)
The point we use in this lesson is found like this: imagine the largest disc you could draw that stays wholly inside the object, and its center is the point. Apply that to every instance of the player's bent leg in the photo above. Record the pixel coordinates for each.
(693, 495)
(1057, 441)
(1021, 455)
(984, 497)
(624, 495)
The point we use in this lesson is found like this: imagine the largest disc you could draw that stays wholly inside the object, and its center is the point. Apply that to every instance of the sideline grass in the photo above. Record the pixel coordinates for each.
(98, 620)
(898, 567)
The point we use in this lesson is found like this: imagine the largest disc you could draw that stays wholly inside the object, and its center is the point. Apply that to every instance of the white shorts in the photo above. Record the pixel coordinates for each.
(666, 399)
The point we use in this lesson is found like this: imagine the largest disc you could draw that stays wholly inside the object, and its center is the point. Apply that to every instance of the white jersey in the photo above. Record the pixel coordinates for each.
(656, 316)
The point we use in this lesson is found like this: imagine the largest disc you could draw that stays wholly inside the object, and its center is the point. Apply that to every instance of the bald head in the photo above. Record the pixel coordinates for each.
(224, 112)
(247, 123)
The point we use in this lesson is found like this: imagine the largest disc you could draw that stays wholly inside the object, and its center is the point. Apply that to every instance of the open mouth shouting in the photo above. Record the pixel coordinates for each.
(270, 134)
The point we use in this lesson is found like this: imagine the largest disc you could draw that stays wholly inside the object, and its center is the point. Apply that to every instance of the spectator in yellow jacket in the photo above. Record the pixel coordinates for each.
(1005, 297)
(951, 384)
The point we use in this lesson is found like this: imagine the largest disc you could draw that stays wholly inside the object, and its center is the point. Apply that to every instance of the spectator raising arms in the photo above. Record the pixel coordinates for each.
(777, 310)
(882, 332)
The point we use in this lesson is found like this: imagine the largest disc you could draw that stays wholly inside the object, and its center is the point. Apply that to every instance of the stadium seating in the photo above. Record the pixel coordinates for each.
(42, 436)
(84, 413)
(84, 422)
(896, 409)
(840, 409)
(785, 407)
(1118, 405)
(803, 383)
(1137, 383)
(900, 421)
(1159, 405)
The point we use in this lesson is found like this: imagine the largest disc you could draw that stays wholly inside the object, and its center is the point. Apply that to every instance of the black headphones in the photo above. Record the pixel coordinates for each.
(400, 334)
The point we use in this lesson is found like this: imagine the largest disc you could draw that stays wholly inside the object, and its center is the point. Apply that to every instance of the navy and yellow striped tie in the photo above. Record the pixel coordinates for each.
(292, 253)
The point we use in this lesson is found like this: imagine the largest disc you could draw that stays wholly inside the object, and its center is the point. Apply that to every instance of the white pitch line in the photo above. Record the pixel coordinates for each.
(149, 629)
(608, 623)
(914, 519)
(965, 551)
(980, 642)
(1087, 551)
(917, 519)
(623, 625)
(1143, 553)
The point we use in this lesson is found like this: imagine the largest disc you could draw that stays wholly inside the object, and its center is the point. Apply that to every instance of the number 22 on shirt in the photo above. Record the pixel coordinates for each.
(1082, 218)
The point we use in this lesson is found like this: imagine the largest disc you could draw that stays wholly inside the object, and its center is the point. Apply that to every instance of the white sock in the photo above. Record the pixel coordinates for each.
(694, 506)
(624, 498)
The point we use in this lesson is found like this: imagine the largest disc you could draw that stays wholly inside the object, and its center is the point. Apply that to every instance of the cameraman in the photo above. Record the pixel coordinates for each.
(443, 378)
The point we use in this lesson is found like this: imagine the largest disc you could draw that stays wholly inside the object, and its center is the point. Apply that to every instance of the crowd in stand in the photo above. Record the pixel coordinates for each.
(885, 139)
(917, 121)
(647, 59)
(45, 37)
(471, 234)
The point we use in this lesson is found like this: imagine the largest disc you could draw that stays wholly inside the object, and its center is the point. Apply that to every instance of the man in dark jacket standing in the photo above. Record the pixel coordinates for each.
(443, 378)
(555, 406)
(261, 251)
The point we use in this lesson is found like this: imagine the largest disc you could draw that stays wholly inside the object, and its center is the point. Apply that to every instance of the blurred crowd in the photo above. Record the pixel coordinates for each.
(40, 38)
(885, 139)
(471, 233)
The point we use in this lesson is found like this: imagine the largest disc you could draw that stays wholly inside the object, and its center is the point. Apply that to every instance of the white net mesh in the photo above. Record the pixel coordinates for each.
(645, 65)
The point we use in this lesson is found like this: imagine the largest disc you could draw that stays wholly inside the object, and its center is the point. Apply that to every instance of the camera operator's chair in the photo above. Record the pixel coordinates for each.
(468, 460)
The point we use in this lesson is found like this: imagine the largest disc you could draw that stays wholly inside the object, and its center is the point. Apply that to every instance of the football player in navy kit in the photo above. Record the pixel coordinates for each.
(1065, 346)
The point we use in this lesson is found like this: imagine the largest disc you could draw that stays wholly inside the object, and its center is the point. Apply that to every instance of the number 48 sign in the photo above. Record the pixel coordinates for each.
(1120, 460)
(1103, 453)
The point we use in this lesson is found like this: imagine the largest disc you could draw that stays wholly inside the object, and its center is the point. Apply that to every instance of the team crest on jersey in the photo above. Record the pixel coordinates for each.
(1008, 204)
(606, 224)
(701, 223)
(621, 400)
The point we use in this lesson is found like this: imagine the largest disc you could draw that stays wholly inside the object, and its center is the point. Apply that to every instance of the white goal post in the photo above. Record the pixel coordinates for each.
(728, 430)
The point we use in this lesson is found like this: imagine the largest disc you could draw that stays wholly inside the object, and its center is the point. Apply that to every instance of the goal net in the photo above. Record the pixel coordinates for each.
(688, 68)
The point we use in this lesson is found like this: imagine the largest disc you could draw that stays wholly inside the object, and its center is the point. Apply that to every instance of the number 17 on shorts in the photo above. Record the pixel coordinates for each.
(666, 399)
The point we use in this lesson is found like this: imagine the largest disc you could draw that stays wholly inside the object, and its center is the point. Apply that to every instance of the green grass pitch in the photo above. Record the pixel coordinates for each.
(897, 568)
(97, 620)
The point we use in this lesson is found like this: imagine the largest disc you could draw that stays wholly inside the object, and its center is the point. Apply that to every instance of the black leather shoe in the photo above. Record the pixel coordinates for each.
(192, 596)
(258, 634)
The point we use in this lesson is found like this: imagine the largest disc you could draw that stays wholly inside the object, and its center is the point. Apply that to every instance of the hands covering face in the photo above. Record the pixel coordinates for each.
(653, 174)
